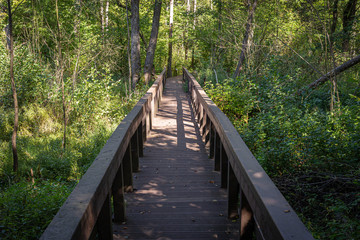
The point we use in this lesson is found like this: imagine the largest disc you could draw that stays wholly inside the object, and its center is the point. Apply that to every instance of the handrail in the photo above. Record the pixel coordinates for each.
(263, 209)
(87, 211)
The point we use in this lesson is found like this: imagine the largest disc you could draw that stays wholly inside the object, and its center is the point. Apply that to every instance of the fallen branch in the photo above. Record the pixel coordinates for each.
(334, 72)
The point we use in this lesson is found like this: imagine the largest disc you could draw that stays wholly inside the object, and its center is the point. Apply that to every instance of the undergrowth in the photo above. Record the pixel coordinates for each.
(311, 153)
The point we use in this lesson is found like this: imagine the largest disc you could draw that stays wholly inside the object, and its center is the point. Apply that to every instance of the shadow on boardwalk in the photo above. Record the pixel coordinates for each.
(177, 194)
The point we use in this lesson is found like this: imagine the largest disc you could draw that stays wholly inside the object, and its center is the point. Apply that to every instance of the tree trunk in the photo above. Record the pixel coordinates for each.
(193, 45)
(107, 16)
(128, 47)
(149, 61)
(335, 17)
(13, 87)
(348, 22)
(169, 73)
(186, 41)
(247, 38)
(335, 72)
(60, 73)
(102, 17)
(77, 25)
(135, 42)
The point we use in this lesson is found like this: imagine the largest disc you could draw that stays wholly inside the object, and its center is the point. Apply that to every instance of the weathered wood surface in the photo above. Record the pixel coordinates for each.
(177, 194)
(274, 217)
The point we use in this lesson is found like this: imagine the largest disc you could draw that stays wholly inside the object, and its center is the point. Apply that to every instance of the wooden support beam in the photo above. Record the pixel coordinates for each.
(140, 139)
(118, 196)
(233, 194)
(127, 170)
(212, 141)
(217, 152)
(224, 166)
(207, 132)
(246, 220)
(135, 152)
(104, 221)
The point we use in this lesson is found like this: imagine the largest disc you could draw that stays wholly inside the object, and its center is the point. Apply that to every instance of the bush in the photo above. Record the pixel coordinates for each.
(234, 97)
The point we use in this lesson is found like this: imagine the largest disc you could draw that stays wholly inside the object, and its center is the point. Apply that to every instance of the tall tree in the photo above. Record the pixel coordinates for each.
(149, 61)
(135, 42)
(60, 71)
(193, 46)
(247, 37)
(10, 38)
(169, 73)
(348, 22)
(186, 41)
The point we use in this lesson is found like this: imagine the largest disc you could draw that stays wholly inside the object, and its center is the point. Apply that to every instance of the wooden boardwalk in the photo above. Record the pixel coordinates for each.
(177, 194)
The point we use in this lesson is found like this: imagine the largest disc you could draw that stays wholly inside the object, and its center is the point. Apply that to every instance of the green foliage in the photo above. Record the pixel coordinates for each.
(312, 154)
(233, 97)
(26, 209)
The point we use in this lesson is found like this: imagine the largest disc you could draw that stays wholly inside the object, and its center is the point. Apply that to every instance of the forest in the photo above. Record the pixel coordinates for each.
(286, 74)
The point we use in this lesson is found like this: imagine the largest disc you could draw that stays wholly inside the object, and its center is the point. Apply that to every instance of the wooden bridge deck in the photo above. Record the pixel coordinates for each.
(176, 192)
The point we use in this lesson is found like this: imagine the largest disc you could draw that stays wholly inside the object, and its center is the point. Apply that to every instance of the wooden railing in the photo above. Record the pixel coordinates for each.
(87, 211)
(252, 196)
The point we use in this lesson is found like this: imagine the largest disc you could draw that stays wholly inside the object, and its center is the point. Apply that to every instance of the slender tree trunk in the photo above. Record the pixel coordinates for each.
(193, 45)
(186, 44)
(128, 45)
(60, 73)
(247, 38)
(102, 16)
(78, 37)
(169, 73)
(348, 22)
(13, 87)
(149, 61)
(107, 15)
(335, 17)
(334, 90)
(135, 42)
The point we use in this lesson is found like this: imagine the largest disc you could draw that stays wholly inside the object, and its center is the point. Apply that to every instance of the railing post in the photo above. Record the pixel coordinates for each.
(246, 218)
(217, 151)
(207, 132)
(224, 166)
(140, 139)
(203, 125)
(104, 223)
(212, 140)
(233, 194)
(135, 151)
(118, 196)
(148, 123)
(127, 170)
(152, 112)
(201, 116)
(156, 103)
(144, 126)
